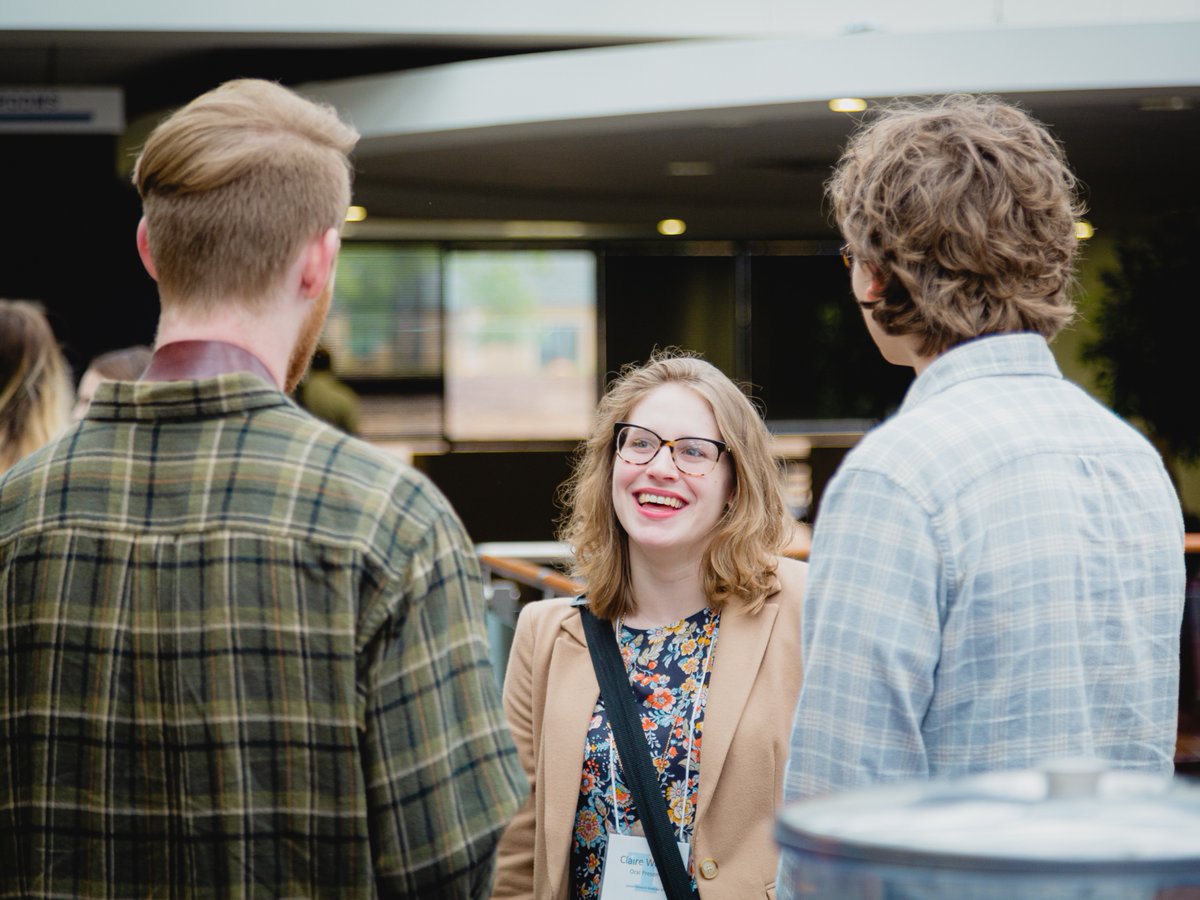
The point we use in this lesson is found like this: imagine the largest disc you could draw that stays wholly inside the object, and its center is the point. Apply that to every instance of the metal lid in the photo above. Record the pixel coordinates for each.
(1073, 815)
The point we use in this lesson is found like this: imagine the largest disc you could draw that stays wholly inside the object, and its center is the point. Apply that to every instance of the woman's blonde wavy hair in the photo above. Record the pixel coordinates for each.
(35, 382)
(965, 208)
(739, 563)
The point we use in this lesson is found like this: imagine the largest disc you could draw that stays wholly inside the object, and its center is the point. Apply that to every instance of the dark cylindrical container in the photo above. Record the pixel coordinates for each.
(1073, 831)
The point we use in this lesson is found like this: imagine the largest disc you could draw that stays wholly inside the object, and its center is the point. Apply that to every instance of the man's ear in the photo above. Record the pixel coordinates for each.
(143, 245)
(875, 288)
(316, 267)
(873, 293)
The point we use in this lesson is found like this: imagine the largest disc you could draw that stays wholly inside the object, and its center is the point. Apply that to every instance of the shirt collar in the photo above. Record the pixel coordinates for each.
(1020, 353)
(228, 394)
(194, 360)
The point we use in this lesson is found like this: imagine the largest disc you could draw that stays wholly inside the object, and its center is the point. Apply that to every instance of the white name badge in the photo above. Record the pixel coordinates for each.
(629, 869)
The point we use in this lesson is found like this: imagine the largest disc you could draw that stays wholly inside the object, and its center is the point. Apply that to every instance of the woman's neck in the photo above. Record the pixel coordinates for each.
(664, 592)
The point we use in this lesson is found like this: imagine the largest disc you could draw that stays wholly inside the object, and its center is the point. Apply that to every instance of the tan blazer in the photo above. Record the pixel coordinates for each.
(549, 694)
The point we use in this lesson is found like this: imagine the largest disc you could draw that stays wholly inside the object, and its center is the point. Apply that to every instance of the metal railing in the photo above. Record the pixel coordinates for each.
(509, 565)
(506, 565)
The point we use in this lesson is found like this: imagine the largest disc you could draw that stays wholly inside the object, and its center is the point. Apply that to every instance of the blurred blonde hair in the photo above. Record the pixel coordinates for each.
(234, 182)
(740, 560)
(965, 208)
(35, 384)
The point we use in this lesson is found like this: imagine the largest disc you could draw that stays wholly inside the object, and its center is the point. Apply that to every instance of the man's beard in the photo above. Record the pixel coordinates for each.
(306, 341)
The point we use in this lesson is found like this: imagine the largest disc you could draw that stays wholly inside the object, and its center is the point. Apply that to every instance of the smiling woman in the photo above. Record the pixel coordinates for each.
(677, 521)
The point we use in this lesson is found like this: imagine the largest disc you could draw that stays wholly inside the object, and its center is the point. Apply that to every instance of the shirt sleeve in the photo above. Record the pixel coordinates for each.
(442, 774)
(514, 869)
(872, 639)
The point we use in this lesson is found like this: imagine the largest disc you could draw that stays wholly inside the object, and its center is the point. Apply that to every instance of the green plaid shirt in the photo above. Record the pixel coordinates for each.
(241, 654)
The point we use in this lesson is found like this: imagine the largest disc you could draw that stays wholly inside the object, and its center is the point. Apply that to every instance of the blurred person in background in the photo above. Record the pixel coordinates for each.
(35, 383)
(126, 364)
(324, 395)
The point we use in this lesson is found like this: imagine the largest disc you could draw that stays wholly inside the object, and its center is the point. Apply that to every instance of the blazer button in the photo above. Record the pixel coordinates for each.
(708, 868)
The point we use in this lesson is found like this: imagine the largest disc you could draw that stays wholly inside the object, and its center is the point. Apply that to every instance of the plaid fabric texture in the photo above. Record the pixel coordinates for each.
(997, 579)
(242, 655)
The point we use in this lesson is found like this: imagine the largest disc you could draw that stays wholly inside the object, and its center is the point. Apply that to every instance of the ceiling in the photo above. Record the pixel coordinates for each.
(605, 172)
(767, 177)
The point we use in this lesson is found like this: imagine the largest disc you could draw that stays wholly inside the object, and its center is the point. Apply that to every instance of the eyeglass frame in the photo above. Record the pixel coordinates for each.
(721, 446)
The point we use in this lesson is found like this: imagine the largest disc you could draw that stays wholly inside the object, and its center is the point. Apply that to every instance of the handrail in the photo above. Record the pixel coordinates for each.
(799, 546)
(552, 582)
(531, 574)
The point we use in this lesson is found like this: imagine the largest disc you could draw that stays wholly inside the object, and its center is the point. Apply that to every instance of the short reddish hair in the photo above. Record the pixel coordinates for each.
(234, 182)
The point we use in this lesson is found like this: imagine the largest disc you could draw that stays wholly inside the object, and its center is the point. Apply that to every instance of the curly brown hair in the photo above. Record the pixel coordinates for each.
(964, 207)
(740, 561)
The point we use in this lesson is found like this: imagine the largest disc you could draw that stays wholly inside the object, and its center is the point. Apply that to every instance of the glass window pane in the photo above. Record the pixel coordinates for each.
(386, 320)
(520, 344)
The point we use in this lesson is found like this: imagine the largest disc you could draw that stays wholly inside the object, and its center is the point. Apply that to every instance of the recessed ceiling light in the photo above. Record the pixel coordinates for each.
(672, 227)
(356, 214)
(518, 228)
(690, 169)
(1165, 104)
(847, 104)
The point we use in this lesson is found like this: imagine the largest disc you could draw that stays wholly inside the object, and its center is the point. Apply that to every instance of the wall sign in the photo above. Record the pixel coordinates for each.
(62, 111)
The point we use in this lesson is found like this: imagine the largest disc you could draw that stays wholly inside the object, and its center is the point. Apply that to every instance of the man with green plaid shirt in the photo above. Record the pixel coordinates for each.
(242, 654)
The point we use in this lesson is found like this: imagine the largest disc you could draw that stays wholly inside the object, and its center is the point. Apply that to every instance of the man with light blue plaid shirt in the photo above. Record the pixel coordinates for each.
(997, 571)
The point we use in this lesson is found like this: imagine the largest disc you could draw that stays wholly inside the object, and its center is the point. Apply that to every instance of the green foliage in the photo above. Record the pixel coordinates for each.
(498, 287)
(1146, 347)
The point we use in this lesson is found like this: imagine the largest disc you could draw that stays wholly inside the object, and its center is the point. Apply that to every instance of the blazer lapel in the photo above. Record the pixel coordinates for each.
(741, 643)
(571, 695)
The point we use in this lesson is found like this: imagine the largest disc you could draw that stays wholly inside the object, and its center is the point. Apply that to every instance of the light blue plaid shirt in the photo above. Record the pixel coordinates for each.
(997, 578)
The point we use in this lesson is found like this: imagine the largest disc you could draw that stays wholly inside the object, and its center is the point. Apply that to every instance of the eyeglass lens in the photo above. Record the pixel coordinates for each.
(695, 456)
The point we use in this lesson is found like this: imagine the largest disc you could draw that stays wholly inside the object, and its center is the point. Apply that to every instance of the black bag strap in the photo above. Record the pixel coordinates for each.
(635, 754)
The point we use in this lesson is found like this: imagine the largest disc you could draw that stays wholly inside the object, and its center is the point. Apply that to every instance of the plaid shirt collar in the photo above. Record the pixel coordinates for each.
(220, 395)
(1019, 353)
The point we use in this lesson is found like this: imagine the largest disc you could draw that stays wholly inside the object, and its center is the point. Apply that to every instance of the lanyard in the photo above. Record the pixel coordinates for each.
(701, 690)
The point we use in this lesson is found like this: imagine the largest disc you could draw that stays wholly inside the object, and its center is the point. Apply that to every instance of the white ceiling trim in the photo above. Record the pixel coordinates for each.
(724, 81)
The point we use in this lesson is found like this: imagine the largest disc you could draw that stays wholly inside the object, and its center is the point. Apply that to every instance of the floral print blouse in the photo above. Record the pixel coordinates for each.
(668, 668)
